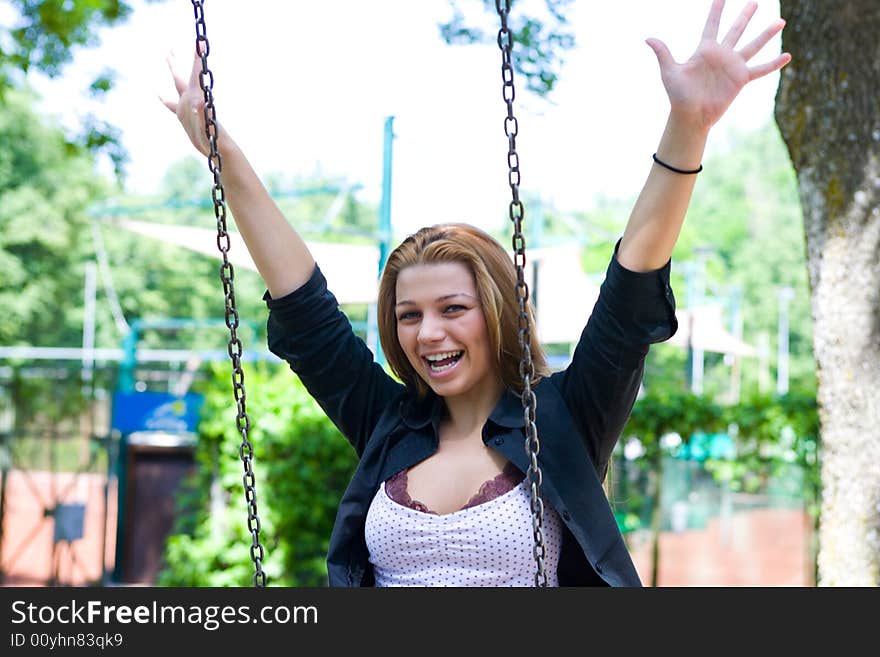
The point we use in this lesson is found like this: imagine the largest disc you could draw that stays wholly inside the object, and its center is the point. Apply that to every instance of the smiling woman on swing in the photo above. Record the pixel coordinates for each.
(439, 497)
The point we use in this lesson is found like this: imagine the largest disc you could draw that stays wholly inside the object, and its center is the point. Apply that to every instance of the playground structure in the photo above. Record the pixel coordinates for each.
(60, 528)
(90, 500)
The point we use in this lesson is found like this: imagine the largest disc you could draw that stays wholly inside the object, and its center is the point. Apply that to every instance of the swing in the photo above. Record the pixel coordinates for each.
(516, 212)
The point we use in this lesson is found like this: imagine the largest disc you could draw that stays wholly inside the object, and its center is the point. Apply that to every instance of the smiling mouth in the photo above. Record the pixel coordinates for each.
(444, 361)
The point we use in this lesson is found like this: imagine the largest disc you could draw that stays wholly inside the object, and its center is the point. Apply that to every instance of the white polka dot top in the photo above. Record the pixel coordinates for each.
(489, 544)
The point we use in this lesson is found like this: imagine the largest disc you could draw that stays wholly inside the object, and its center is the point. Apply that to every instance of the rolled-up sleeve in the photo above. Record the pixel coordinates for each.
(638, 306)
(307, 329)
(634, 310)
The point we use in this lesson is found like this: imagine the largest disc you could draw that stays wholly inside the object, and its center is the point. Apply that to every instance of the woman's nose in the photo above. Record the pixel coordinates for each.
(430, 330)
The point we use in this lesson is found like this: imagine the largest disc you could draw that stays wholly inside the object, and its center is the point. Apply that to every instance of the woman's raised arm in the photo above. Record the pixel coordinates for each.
(278, 251)
(700, 90)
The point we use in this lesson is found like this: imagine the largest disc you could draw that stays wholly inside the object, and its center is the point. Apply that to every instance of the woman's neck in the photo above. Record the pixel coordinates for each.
(466, 414)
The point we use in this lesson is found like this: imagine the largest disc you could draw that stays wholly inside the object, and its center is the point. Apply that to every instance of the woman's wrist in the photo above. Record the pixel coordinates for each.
(225, 144)
(682, 143)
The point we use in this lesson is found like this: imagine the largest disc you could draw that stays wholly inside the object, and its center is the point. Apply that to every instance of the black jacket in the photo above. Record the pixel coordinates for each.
(581, 411)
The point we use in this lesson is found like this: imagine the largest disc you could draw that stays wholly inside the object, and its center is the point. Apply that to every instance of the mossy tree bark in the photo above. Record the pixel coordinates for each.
(828, 111)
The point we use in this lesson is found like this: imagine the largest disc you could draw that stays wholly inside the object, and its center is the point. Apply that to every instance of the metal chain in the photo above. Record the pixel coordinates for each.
(227, 275)
(526, 369)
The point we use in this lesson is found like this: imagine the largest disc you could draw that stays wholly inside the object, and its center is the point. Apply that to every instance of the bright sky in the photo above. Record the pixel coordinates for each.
(305, 87)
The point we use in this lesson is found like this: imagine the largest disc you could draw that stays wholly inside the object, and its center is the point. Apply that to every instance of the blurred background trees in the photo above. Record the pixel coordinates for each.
(763, 221)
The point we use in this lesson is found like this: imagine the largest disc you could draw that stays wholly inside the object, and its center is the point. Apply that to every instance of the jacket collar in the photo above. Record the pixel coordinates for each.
(508, 412)
(418, 413)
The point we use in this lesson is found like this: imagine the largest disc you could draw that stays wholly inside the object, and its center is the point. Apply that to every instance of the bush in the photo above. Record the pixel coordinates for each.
(302, 465)
(769, 434)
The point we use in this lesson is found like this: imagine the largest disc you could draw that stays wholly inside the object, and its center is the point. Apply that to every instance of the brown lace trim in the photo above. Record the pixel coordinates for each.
(505, 482)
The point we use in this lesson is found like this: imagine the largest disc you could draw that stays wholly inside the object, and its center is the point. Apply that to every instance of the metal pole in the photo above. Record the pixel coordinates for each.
(736, 329)
(763, 361)
(129, 358)
(385, 208)
(5, 465)
(125, 383)
(106, 442)
(88, 359)
(120, 465)
(536, 237)
(384, 234)
(785, 294)
(689, 301)
(699, 298)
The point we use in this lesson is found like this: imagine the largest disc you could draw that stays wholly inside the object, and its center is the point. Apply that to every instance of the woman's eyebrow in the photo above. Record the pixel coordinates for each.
(453, 295)
(407, 302)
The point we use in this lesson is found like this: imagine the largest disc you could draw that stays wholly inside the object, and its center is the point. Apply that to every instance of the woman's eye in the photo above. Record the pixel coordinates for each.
(407, 316)
(454, 308)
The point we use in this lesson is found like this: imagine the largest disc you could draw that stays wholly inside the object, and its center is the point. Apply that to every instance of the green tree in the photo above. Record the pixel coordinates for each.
(745, 218)
(44, 35)
(46, 187)
(746, 215)
(541, 37)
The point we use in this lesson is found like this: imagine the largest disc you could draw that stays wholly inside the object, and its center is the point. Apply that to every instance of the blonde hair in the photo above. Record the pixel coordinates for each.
(495, 279)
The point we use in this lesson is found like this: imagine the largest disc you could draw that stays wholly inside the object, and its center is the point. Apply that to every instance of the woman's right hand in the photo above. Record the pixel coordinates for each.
(189, 106)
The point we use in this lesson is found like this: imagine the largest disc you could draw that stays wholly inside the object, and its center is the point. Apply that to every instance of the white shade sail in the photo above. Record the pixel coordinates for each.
(352, 271)
(563, 293)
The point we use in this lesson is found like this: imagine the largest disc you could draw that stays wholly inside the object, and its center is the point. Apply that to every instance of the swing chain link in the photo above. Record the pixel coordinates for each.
(227, 276)
(526, 368)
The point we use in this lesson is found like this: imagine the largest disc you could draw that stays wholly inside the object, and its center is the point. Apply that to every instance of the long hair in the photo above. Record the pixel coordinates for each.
(495, 279)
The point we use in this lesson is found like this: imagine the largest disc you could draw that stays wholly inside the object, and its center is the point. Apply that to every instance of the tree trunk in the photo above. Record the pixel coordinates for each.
(828, 112)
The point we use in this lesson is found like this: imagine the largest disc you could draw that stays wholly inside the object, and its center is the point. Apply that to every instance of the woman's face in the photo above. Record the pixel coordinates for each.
(442, 329)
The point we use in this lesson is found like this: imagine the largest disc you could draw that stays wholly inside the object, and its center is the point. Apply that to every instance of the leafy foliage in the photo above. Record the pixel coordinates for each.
(302, 466)
(47, 31)
(770, 434)
(745, 225)
(746, 210)
(46, 186)
(44, 36)
(540, 40)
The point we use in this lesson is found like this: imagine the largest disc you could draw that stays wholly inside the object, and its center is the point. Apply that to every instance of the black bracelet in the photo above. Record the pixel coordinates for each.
(672, 168)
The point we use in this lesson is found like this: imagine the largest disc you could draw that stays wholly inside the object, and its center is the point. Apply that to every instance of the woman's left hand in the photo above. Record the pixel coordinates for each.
(701, 89)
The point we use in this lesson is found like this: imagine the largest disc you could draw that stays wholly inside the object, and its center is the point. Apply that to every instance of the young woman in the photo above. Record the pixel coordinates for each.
(439, 495)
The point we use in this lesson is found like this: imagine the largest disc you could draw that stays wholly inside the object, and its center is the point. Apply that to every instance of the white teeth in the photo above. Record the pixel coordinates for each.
(433, 359)
(444, 356)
